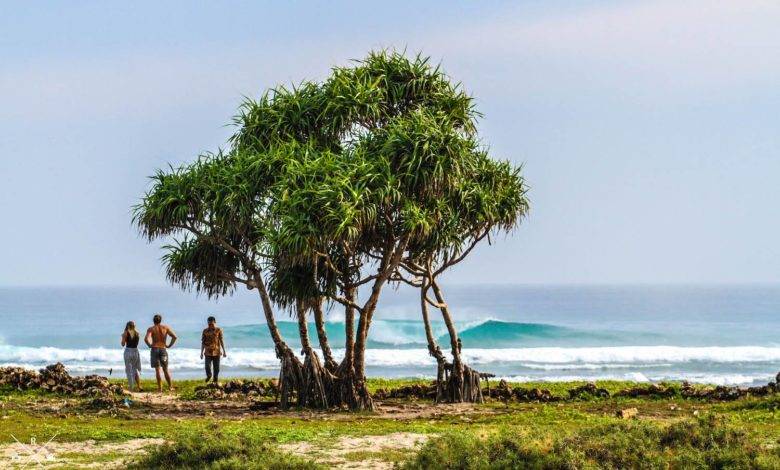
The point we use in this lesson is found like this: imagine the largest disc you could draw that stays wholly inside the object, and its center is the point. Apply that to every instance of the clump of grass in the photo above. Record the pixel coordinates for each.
(217, 450)
(770, 403)
(705, 443)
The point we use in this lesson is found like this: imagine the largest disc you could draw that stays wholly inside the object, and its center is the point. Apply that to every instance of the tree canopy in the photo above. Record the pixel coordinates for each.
(329, 186)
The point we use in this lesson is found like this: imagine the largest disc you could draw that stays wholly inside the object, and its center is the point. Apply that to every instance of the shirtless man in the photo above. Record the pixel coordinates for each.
(155, 338)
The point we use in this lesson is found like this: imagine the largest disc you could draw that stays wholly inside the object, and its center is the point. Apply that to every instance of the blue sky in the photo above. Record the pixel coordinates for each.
(649, 131)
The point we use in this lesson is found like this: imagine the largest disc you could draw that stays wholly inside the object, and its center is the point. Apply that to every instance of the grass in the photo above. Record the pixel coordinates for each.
(579, 429)
(707, 443)
(218, 450)
(395, 456)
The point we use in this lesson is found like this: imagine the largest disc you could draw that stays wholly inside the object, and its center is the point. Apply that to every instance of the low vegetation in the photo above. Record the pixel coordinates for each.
(219, 450)
(704, 443)
(667, 430)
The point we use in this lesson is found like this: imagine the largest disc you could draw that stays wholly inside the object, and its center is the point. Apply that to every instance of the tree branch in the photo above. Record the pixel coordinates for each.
(346, 302)
(465, 253)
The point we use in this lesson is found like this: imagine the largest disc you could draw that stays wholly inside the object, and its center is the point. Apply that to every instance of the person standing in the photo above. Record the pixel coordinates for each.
(155, 338)
(211, 343)
(130, 338)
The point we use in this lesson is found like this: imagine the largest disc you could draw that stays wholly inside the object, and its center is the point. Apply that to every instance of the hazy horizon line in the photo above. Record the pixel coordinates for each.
(450, 284)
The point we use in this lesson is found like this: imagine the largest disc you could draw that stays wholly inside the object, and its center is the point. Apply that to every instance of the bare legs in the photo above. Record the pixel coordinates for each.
(159, 378)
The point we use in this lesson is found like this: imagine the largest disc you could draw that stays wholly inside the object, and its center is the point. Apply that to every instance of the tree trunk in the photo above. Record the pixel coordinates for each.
(316, 382)
(352, 391)
(366, 314)
(464, 382)
(319, 321)
(349, 330)
(387, 267)
(433, 346)
(291, 369)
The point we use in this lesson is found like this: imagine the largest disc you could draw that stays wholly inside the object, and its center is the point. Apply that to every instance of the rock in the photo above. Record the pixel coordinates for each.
(533, 395)
(587, 391)
(500, 391)
(652, 390)
(234, 389)
(414, 391)
(56, 379)
(724, 393)
(628, 413)
(105, 403)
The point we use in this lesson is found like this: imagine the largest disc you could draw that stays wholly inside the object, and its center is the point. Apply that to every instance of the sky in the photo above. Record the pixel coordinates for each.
(648, 132)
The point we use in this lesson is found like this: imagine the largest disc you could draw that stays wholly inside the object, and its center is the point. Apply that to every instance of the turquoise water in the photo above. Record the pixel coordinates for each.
(718, 334)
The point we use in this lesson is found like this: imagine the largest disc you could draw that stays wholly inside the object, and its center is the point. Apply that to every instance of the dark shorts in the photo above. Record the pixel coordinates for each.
(159, 357)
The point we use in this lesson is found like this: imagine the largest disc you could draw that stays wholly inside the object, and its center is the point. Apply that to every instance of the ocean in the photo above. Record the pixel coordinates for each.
(708, 334)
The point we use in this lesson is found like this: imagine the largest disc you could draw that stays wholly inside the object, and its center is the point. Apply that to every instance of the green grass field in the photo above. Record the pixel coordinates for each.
(568, 425)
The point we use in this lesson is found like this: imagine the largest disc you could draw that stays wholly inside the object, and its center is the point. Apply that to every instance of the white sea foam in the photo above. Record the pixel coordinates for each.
(632, 376)
(535, 358)
(641, 363)
(587, 366)
(710, 379)
(625, 354)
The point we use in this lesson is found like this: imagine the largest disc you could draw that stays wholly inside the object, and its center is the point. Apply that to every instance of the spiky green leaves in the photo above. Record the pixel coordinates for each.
(322, 177)
(201, 264)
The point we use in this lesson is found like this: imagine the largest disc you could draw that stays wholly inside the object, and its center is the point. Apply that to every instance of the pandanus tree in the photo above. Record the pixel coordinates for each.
(329, 188)
(489, 198)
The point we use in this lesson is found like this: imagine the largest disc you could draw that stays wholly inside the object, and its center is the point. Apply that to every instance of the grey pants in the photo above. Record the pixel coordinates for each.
(212, 363)
(132, 366)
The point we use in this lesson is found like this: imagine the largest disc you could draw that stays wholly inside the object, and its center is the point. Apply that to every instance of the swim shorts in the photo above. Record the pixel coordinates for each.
(159, 357)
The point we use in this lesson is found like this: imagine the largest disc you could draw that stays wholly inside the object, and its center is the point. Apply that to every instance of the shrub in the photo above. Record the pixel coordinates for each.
(705, 443)
(219, 451)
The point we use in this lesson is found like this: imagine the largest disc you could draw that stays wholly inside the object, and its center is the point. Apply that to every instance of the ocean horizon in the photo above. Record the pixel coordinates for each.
(719, 334)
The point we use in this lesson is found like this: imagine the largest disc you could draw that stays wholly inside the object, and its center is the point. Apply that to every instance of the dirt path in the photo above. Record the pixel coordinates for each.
(367, 452)
(347, 452)
(85, 454)
(156, 405)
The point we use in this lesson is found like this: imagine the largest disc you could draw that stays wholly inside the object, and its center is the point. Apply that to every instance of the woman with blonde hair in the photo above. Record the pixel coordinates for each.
(130, 338)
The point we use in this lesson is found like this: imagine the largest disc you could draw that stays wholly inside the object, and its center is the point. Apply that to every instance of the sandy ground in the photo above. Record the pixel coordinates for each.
(167, 405)
(342, 453)
(71, 454)
(367, 448)
(366, 452)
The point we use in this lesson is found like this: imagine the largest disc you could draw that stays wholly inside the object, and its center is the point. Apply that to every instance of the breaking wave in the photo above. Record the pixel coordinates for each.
(622, 362)
(488, 333)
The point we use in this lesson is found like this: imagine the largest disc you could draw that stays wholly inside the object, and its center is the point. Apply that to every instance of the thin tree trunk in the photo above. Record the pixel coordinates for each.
(369, 308)
(265, 300)
(349, 331)
(433, 346)
(322, 335)
(315, 385)
(464, 382)
(352, 390)
(303, 329)
(291, 369)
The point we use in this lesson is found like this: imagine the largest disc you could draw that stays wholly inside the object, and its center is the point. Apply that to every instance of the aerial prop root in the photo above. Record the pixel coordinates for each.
(457, 385)
(351, 389)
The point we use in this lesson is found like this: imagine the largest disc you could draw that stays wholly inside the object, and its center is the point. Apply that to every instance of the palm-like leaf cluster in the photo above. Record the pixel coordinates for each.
(377, 166)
